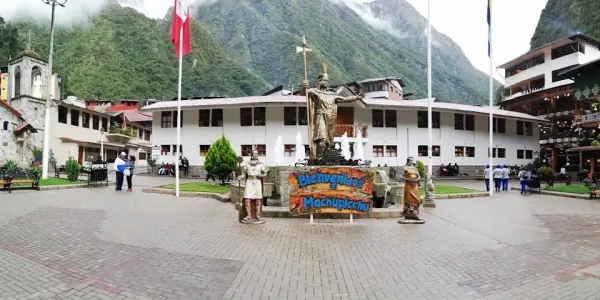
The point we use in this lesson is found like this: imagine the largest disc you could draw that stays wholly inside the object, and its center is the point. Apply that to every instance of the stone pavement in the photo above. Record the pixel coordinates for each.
(99, 244)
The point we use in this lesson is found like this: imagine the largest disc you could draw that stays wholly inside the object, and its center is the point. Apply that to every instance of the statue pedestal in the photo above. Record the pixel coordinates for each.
(429, 193)
(411, 221)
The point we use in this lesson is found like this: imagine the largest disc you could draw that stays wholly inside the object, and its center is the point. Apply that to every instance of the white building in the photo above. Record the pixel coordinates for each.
(538, 69)
(392, 130)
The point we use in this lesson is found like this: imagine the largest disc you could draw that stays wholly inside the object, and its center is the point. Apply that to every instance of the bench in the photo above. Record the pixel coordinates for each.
(18, 176)
(594, 189)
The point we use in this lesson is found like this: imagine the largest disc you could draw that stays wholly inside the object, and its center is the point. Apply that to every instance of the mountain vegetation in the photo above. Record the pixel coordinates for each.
(561, 18)
(247, 47)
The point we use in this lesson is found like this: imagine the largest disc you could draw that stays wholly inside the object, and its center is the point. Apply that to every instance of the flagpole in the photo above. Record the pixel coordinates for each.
(491, 151)
(429, 96)
(179, 113)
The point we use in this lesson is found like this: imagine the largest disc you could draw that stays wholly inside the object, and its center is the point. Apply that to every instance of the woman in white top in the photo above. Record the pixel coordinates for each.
(498, 178)
(486, 177)
(505, 177)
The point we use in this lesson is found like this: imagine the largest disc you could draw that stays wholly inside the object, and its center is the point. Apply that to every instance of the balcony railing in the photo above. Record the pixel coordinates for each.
(595, 117)
(352, 130)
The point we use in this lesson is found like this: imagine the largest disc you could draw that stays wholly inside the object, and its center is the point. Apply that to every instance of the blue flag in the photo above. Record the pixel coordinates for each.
(489, 21)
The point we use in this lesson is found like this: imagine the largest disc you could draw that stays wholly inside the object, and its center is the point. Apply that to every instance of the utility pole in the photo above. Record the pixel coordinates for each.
(46, 154)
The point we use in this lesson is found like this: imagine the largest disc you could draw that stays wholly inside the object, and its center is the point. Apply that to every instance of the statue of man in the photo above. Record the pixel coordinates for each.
(323, 110)
(253, 172)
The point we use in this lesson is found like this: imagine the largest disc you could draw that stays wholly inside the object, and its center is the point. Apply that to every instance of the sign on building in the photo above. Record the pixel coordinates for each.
(331, 190)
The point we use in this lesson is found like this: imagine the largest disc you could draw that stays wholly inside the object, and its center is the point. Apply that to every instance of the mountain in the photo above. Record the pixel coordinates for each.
(357, 40)
(561, 18)
(123, 54)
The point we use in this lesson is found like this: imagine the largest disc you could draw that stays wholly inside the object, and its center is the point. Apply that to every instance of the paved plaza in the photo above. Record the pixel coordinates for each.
(99, 244)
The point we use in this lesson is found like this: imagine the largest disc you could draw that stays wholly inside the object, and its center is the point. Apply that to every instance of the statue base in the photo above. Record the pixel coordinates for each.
(411, 221)
(332, 157)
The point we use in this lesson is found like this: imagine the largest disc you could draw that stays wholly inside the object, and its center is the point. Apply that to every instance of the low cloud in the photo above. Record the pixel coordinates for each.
(74, 12)
(365, 12)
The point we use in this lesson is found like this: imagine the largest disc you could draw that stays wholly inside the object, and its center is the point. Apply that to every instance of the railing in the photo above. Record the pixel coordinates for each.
(351, 130)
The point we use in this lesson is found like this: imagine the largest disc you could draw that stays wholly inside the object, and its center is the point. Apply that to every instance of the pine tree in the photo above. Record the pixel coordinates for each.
(221, 160)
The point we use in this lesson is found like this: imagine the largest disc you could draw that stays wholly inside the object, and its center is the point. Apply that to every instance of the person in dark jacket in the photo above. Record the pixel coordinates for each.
(129, 166)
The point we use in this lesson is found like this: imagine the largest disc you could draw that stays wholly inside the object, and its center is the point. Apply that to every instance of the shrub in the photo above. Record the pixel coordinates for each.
(36, 171)
(221, 160)
(10, 165)
(421, 167)
(547, 174)
(73, 168)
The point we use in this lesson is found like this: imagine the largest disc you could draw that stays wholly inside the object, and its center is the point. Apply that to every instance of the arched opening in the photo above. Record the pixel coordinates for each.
(17, 85)
(36, 82)
(5, 125)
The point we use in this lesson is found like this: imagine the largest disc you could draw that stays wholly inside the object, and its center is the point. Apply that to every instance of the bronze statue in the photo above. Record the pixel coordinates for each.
(253, 172)
(412, 198)
(322, 111)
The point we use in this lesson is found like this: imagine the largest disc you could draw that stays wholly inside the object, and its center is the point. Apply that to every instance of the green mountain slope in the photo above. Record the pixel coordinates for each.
(123, 54)
(561, 18)
(264, 33)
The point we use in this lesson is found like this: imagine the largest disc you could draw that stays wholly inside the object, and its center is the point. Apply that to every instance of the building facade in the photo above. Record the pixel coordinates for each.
(535, 85)
(391, 130)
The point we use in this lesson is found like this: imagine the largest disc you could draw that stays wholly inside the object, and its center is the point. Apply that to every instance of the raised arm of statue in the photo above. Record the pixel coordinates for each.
(340, 99)
(242, 172)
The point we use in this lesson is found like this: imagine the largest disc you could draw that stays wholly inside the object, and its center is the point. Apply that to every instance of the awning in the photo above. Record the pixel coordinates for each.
(584, 148)
(25, 126)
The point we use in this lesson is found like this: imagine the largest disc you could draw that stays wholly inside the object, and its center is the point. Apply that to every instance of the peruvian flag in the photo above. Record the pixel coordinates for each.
(181, 20)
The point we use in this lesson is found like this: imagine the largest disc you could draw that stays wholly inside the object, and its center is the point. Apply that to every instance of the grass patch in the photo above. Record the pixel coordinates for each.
(199, 187)
(571, 189)
(447, 189)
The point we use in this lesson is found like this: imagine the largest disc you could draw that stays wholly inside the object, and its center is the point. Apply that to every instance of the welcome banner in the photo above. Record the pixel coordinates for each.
(331, 190)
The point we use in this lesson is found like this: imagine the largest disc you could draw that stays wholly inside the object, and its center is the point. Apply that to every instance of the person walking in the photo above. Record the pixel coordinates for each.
(505, 178)
(129, 171)
(486, 177)
(524, 180)
(497, 177)
(119, 166)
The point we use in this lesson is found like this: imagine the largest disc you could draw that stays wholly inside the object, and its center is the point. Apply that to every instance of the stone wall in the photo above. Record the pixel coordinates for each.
(9, 149)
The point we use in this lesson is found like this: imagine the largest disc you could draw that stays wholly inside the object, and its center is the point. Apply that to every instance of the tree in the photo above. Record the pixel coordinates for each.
(499, 95)
(221, 160)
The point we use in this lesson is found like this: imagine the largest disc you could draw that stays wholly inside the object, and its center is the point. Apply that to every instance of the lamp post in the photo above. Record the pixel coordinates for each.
(102, 132)
(46, 150)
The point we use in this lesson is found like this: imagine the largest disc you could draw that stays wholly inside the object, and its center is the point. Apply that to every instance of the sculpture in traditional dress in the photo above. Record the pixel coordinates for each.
(253, 172)
(322, 110)
(412, 197)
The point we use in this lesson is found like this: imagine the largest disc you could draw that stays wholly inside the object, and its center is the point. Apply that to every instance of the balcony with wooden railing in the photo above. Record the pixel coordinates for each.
(351, 129)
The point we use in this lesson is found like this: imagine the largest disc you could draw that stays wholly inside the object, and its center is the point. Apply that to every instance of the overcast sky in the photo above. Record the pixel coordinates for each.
(462, 20)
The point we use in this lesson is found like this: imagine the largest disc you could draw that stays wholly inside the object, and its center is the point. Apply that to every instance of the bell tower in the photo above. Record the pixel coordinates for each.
(27, 74)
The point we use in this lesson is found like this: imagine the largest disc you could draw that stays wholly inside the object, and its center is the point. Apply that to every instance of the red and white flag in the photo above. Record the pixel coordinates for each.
(181, 20)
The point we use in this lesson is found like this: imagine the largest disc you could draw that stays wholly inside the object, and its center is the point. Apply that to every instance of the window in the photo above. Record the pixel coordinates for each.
(377, 115)
(499, 125)
(555, 73)
(302, 118)
(96, 122)
(470, 151)
(62, 114)
(520, 154)
(262, 149)
(435, 150)
(260, 117)
(528, 154)
(307, 150)
(143, 156)
(140, 133)
(391, 151)
(147, 134)
(422, 119)
(166, 119)
(174, 147)
(289, 150)
(247, 150)
(111, 155)
(459, 121)
(204, 149)
(4, 125)
(217, 117)
(91, 153)
(568, 49)
(470, 122)
(204, 118)
(377, 151)
(105, 123)
(246, 117)
(498, 152)
(165, 149)
(175, 118)
(459, 151)
(530, 63)
(528, 129)
(74, 117)
(520, 130)
(290, 116)
(390, 119)
(85, 120)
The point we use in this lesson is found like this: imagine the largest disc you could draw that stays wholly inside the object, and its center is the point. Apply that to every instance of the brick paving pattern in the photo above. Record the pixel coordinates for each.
(98, 244)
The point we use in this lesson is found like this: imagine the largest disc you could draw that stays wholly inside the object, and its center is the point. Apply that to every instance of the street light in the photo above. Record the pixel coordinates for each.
(102, 132)
(46, 150)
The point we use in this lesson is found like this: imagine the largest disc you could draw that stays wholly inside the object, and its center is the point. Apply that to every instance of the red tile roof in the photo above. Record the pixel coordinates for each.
(136, 116)
(11, 108)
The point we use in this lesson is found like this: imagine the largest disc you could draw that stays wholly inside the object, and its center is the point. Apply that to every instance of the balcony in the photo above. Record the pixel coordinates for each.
(589, 118)
(352, 130)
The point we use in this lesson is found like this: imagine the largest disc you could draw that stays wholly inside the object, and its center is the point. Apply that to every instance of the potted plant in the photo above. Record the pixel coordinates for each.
(37, 154)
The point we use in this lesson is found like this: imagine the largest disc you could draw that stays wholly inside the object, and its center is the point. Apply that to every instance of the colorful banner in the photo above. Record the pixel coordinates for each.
(331, 190)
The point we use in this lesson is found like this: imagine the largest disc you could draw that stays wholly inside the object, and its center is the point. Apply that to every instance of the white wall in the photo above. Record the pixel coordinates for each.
(407, 137)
